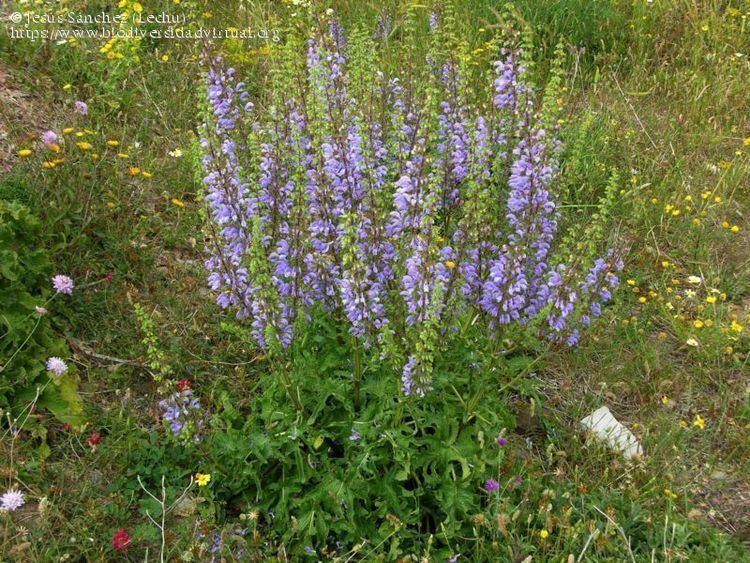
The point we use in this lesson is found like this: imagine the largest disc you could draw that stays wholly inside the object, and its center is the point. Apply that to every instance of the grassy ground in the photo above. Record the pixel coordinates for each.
(658, 95)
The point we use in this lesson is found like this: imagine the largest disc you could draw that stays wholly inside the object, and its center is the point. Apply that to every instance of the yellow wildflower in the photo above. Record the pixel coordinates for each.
(699, 423)
(711, 299)
(24, 153)
(202, 479)
(735, 229)
(134, 171)
(113, 143)
(544, 534)
(450, 264)
(697, 323)
(83, 145)
(737, 327)
(68, 130)
(177, 202)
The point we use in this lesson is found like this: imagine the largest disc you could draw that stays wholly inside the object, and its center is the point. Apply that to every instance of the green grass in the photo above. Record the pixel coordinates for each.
(658, 96)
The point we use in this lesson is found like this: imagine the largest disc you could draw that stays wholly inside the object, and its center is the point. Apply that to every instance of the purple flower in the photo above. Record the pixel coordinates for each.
(491, 486)
(182, 411)
(501, 441)
(433, 21)
(231, 205)
(355, 436)
(56, 365)
(63, 284)
(49, 137)
(383, 27)
(12, 500)
(81, 108)
(454, 143)
(413, 378)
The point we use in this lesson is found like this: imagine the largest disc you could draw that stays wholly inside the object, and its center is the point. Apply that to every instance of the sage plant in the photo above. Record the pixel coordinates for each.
(399, 204)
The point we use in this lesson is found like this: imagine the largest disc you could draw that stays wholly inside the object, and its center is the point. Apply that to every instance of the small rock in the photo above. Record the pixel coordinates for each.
(608, 429)
(186, 506)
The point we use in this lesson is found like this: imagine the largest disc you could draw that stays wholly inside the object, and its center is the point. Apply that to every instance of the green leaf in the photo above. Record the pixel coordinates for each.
(63, 401)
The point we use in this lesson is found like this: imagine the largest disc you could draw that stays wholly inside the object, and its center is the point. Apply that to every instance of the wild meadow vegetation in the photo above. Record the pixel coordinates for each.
(342, 289)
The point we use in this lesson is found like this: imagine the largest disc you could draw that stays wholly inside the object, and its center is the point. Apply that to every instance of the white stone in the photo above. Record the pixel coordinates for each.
(608, 429)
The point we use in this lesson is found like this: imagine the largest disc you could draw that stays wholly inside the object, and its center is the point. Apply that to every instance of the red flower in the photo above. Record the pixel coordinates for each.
(94, 439)
(109, 277)
(67, 427)
(121, 540)
(183, 384)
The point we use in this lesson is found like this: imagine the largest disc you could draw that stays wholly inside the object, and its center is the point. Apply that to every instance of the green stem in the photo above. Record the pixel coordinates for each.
(291, 391)
(357, 373)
